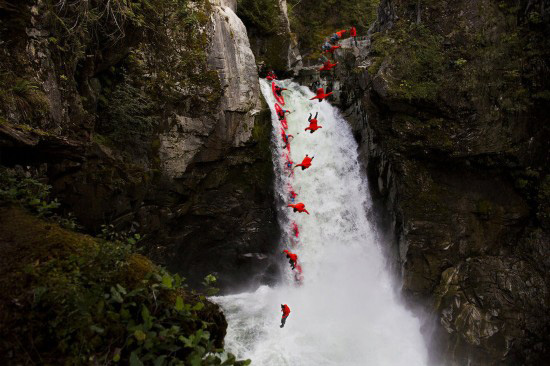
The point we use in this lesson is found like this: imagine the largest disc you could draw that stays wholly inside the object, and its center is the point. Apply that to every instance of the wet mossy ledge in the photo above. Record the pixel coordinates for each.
(72, 299)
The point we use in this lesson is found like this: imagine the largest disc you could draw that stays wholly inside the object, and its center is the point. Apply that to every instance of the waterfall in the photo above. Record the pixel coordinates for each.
(345, 311)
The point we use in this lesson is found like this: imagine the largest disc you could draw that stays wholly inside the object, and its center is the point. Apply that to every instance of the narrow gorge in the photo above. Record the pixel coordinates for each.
(143, 182)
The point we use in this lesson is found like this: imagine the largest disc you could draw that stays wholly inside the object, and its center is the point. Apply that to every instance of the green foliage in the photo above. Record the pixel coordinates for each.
(109, 233)
(81, 300)
(141, 321)
(505, 72)
(260, 15)
(416, 60)
(84, 301)
(22, 87)
(313, 21)
(165, 72)
(130, 116)
(74, 21)
(492, 67)
(460, 62)
(21, 97)
(19, 186)
(209, 282)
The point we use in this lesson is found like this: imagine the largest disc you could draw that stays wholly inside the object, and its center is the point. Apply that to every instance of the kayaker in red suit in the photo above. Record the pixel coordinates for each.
(340, 34)
(299, 207)
(321, 95)
(292, 258)
(289, 163)
(306, 163)
(298, 276)
(313, 124)
(353, 34)
(282, 113)
(286, 311)
(279, 90)
(327, 66)
(286, 138)
(332, 49)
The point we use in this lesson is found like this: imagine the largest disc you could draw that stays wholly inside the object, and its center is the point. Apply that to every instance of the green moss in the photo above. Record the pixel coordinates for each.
(490, 66)
(155, 145)
(415, 58)
(260, 15)
(23, 127)
(376, 62)
(102, 140)
(521, 183)
(77, 299)
(484, 209)
(274, 56)
(23, 98)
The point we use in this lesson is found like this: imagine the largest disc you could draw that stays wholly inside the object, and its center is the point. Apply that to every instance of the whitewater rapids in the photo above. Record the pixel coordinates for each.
(346, 311)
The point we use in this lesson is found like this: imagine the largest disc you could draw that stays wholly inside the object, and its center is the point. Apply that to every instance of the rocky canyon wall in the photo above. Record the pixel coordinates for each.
(449, 101)
(149, 119)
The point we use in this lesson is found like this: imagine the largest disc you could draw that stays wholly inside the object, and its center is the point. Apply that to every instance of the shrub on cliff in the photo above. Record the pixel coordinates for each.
(68, 298)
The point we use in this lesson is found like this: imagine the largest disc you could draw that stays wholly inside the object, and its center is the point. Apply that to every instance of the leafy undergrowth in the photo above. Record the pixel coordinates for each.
(496, 64)
(69, 298)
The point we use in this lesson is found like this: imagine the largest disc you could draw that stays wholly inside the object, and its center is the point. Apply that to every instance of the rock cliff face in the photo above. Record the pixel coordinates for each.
(450, 106)
(271, 39)
(149, 119)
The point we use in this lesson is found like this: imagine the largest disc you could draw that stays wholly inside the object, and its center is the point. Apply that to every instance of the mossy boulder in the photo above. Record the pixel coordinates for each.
(68, 298)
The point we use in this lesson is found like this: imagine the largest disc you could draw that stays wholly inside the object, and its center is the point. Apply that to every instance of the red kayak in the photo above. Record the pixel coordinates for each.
(280, 99)
(279, 111)
(321, 94)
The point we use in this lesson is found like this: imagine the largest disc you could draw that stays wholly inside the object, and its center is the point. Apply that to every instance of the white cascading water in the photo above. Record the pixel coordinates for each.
(345, 312)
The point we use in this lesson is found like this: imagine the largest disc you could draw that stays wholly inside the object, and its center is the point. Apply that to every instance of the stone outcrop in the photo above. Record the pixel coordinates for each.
(229, 54)
(271, 39)
(450, 116)
(161, 130)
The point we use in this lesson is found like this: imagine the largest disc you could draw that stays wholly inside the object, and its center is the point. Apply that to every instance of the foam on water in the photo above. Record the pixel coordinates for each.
(346, 311)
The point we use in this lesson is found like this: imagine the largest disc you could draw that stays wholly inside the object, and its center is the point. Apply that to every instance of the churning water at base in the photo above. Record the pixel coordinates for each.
(345, 312)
